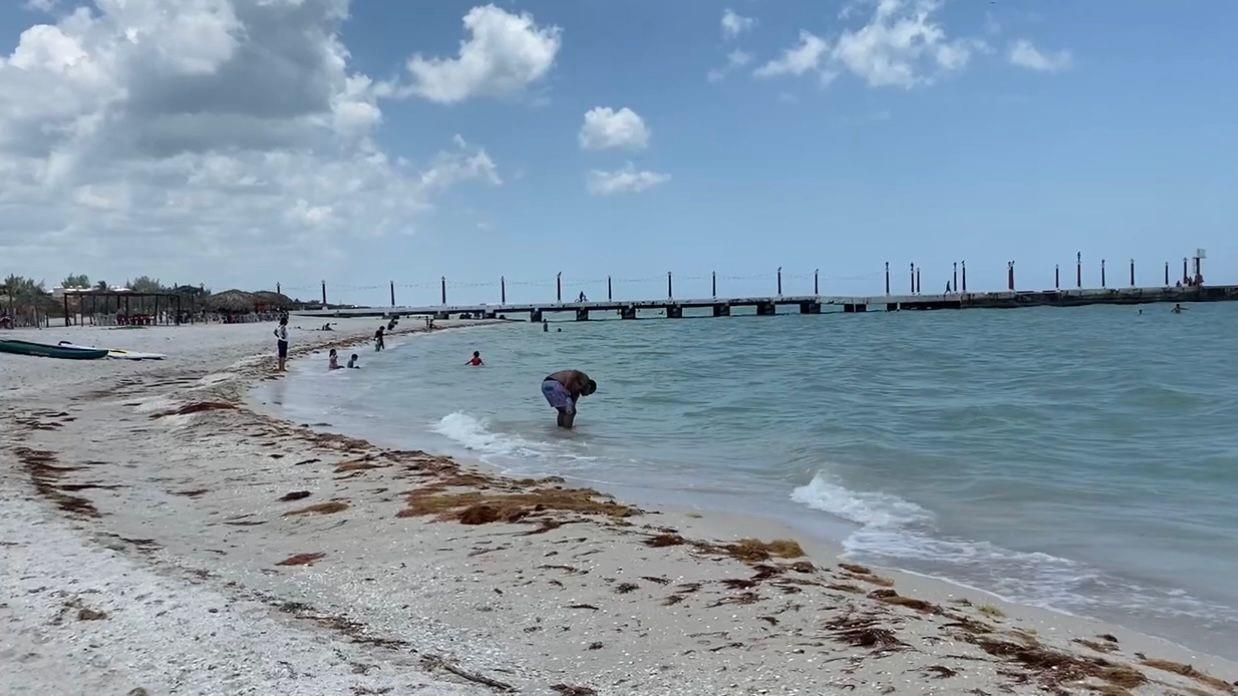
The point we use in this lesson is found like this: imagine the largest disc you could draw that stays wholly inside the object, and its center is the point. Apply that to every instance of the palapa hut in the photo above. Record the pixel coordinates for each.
(267, 301)
(232, 304)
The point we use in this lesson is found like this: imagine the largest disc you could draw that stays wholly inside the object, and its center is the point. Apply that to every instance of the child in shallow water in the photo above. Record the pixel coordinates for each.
(333, 361)
(475, 360)
(352, 362)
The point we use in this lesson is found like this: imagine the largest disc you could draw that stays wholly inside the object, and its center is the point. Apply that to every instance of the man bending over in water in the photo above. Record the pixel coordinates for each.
(562, 389)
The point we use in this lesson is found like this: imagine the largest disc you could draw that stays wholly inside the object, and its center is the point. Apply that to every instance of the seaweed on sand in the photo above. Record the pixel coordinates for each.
(1189, 672)
(477, 507)
(320, 508)
(1053, 667)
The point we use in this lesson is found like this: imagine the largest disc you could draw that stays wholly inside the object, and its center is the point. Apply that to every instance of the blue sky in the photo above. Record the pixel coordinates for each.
(1006, 130)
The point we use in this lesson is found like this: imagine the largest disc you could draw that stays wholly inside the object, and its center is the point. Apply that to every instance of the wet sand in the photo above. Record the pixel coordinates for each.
(157, 533)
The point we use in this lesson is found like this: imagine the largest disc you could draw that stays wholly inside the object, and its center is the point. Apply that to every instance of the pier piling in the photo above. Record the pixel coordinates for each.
(392, 282)
(503, 289)
(559, 286)
(670, 288)
(887, 277)
(443, 289)
(780, 281)
(1102, 274)
(1079, 270)
(324, 291)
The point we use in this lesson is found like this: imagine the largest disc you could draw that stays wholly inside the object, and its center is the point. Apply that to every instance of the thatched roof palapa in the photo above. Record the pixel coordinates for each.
(272, 300)
(231, 301)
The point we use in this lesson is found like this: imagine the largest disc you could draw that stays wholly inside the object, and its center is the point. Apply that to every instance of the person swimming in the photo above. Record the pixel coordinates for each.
(333, 360)
(378, 339)
(1177, 309)
(475, 361)
(562, 389)
(352, 362)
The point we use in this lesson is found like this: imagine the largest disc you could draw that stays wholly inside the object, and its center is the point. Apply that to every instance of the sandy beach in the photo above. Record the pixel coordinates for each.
(160, 535)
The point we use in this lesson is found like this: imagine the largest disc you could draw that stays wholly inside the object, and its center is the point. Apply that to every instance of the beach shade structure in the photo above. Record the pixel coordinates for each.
(231, 302)
(267, 301)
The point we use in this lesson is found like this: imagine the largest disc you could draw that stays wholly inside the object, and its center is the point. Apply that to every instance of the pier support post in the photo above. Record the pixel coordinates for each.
(503, 290)
(674, 311)
(1102, 273)
(392, 292)
(443, 289)
(913, 278)
(963, 265)
(713, 283)
(780, 281)
(582, 314)
(1079, 269)
(535, 315)
(670, 288)
(610, 295)
(1010, 276)
(766, 309)
(559, 286)
(1185, 278)
(1057, 276)
(722, 310)
(919, 288)
(1166, 274)
(816, 285)
(324, 289)
(627, 312)
(891, 307)
(955, 277)
(887, 277)
(1132, 273)
(810, 307)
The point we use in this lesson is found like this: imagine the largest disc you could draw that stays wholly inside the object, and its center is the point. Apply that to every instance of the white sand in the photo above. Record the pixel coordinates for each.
(181, 558)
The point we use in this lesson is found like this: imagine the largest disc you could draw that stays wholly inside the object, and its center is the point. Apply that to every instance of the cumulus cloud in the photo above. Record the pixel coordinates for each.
(734, 24)
(627, 179)
(180, 129)
(797, 60)
(503, 54)
(1025, 55)
(900, 45)
(606, 128)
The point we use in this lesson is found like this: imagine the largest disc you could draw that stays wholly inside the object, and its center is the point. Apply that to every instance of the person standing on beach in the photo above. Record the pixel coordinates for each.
(562, 389)
(378, 339)
(281, 341)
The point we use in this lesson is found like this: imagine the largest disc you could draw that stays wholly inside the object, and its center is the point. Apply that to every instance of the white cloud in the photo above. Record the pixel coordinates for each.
(40, 5)
(606, 128)
(900, 45)
(188, 129)
(797, 60)
(734, 24)
(734, 60)
(625, 180)
(1025, 55)
(503, 54)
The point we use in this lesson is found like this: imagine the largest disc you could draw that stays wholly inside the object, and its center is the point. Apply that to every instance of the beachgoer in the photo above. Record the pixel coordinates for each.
(333, 360)
(391, 324)
(475, 361)
(281, 341)
(327, 327)
(352, 362)
(1177, 309)
(378, 339)
(562, 389)
(545, 326)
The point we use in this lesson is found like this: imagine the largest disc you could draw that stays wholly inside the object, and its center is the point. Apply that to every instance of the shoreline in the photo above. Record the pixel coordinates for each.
(175, 516)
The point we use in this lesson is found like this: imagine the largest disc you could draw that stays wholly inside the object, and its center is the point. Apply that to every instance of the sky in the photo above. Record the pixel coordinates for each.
(244, 143)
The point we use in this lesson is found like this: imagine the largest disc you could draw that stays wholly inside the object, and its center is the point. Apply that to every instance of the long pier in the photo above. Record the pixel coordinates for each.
(806, 304)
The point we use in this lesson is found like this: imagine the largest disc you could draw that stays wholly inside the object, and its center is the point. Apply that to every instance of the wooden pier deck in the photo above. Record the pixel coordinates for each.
(805, 304)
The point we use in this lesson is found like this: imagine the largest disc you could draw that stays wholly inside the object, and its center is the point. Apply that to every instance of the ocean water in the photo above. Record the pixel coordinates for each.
(1083, 459)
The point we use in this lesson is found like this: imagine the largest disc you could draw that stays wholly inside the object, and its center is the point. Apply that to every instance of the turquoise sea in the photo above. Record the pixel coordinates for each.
(1084, 459)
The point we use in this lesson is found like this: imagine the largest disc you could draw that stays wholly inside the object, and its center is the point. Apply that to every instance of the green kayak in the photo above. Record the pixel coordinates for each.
(48, 351)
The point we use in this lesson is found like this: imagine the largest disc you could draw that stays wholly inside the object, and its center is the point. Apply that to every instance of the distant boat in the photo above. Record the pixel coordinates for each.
(50, 351)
